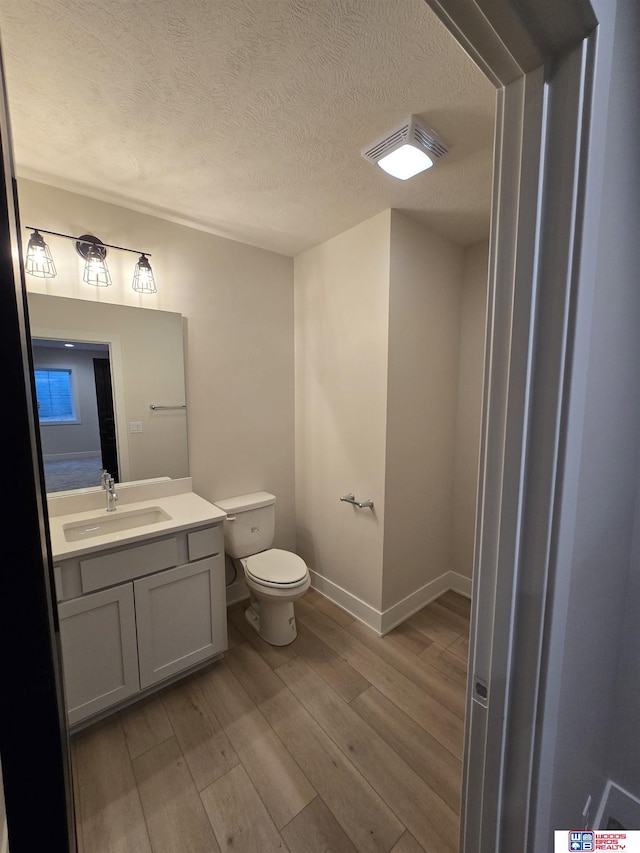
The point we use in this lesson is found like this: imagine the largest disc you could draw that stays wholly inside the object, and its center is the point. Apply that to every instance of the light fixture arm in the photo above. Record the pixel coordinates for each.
(83, 239)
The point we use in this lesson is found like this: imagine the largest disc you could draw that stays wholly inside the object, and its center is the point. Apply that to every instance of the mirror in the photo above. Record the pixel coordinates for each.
(125, 380)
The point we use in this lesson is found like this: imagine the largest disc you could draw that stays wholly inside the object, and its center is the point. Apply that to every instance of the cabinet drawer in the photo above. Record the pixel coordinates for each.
(205, 542)
(127, 564)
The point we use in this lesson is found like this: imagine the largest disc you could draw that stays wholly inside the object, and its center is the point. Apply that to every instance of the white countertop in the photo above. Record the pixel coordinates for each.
(186, 510)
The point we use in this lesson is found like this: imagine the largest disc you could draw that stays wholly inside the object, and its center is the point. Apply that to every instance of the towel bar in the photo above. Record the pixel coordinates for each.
(350, 499)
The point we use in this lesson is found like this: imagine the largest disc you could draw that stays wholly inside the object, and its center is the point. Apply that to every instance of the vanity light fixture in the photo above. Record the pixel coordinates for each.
(143, 280)
(39, 261)
(407, 150)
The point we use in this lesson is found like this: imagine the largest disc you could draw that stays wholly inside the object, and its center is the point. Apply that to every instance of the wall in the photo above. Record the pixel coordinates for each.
(473, 327)
(379, 345)
(341, 320)
(422, 392)
(237, 302)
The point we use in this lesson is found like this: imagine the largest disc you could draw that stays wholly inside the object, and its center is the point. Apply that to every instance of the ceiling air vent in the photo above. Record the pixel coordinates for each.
(408, 149)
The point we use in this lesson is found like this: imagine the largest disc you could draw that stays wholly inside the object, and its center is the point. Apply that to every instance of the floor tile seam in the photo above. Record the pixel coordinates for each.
(402, 712)
(84, 819)
(417, 677)
(195, 788)
(373, 734)
(304, 658)
(355, 769)
(220, 841)
(412, 685)
(257, 708)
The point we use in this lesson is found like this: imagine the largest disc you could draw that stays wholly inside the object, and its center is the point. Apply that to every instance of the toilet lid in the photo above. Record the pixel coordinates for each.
(276, 566)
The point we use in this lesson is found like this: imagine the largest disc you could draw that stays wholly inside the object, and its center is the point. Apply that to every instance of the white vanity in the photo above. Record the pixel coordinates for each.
(141, 591)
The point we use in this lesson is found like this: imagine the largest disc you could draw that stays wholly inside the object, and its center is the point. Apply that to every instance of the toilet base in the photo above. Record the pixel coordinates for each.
(274, 621)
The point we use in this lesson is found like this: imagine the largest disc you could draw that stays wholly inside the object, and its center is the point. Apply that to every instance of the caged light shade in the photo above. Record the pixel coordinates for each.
(143, 280)
(39, 261)
(96, 271)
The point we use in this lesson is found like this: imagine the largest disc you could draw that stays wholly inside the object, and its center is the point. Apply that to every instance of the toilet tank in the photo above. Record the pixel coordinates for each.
(250, 524)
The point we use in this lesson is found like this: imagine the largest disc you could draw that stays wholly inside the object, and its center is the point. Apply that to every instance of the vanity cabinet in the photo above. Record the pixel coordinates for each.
(176, 619)
(161, 612)
(99, 651)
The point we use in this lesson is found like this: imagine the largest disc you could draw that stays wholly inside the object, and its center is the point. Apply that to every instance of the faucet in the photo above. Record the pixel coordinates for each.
(112, 497)
(104, 478)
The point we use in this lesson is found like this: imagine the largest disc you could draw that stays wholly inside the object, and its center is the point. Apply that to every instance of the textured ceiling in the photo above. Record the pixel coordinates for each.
(247, 117)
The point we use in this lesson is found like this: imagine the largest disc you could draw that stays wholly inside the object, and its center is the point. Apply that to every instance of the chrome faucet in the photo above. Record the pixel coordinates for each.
(104, 478)
(112, 497)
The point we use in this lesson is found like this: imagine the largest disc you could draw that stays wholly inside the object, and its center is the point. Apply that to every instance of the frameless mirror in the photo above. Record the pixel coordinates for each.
(111, 391)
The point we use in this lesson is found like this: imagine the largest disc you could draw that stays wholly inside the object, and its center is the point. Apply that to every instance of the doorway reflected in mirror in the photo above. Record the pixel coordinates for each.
(76, 412)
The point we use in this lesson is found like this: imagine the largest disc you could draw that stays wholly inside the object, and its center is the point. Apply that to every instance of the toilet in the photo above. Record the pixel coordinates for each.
(275, 578)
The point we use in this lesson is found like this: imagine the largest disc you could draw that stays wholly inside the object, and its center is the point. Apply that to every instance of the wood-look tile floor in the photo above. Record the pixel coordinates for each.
(341, 741)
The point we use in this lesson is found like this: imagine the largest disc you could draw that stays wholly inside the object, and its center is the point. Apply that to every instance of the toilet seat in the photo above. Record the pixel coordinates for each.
(276, 568)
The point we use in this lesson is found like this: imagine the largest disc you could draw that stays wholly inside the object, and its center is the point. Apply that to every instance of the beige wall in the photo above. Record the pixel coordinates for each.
(424, 335)
(237, 302)
(341, 315)
(473, 320)
(390, 333)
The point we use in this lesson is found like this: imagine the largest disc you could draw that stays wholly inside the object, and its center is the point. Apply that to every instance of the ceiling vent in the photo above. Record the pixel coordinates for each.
(408, 149)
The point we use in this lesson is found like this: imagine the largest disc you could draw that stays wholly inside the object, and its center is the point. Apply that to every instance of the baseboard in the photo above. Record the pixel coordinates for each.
(384, 621)
(359, 609)
(401, 611)
(61, 457)
(619, 804)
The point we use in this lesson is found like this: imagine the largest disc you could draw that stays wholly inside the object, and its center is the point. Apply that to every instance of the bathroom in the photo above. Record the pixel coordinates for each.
(279, 398)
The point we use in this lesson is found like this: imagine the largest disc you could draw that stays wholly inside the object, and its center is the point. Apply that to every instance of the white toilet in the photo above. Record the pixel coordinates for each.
(275, 578)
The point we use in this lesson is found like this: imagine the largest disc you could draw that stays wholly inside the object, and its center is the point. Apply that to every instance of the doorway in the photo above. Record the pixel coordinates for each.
(76, 412)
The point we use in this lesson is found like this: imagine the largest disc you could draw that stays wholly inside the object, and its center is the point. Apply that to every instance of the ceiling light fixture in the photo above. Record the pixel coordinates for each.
(39, 261)
(407, 150)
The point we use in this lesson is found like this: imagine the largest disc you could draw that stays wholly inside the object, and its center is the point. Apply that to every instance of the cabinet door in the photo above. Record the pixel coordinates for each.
(181, 617)
(99, 655)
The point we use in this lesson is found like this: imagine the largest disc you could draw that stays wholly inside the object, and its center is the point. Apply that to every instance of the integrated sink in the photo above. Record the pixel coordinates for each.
(113, 522)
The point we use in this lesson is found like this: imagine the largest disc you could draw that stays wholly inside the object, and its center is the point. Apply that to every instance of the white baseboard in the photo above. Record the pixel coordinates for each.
(401, 611)
(383, 621)
(358, 608)
(61, 457)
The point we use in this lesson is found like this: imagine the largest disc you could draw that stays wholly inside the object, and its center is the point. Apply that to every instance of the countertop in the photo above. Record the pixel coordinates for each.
(186, 510)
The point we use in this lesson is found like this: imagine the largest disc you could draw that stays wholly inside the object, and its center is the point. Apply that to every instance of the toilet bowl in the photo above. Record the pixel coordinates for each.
(275, 578)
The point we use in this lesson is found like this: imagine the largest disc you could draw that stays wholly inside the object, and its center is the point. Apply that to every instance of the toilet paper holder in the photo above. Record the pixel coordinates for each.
(350, 499)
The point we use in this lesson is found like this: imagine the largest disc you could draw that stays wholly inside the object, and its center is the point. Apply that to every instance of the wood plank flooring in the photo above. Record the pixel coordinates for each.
(341, 742)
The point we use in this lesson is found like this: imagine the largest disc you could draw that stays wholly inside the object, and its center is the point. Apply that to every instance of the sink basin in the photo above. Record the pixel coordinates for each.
(113, 522)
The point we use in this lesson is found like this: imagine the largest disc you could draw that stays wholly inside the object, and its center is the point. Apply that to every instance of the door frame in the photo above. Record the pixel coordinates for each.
(548, 163)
